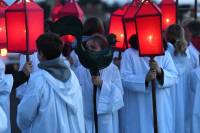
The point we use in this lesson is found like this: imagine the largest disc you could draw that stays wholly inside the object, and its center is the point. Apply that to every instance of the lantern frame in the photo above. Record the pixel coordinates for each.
(126, 19)
(3, 6)
(149, 15)
(78, 12)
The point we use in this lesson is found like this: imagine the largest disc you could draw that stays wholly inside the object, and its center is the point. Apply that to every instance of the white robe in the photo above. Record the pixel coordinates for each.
(6, 82)
(109, 99)
(3, 121)
(180, 91)
(195, 87)
(137, 115)
(50, 106)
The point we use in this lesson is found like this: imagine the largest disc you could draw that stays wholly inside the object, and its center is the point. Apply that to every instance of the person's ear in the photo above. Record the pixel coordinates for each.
(41, 56)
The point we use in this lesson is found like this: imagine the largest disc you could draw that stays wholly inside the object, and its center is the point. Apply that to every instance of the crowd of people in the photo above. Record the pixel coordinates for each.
(56, 90)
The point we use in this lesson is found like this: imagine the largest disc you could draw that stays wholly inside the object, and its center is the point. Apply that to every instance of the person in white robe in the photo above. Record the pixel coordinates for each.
(52, 102)
(195, 111)
(7, 83)
(177, 47)
(3, 121)
(109, 93)
(137, 114)
(192, 30)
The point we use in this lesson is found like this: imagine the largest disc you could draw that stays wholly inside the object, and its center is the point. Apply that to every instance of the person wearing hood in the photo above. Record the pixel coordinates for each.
(177, 47)
(52, 102)
(137, 115)
(109, 91)
(192, 32)
(8, 83)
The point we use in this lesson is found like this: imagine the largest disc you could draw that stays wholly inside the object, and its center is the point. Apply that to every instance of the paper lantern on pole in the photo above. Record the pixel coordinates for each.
(3, 7)
(70, 8)
(168, 8)
(116, 27)
(129, 20)
(24, 23)
(149, 29)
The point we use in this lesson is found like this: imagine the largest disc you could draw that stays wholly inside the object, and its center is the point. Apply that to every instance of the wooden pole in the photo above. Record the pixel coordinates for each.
(155, 120)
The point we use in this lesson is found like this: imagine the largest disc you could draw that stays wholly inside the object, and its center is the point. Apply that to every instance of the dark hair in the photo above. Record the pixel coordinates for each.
(194, 28)
(133, 41)
(93, 25)
(175, 35)
(50, 45)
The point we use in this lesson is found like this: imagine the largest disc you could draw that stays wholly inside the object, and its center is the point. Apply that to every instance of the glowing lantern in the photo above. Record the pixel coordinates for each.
(70, 8)
(3, 7)
(3, 52)
(68, 38)
(24, 23)
(129, 20)
(116, 27)
(149, 29)
(168, 8)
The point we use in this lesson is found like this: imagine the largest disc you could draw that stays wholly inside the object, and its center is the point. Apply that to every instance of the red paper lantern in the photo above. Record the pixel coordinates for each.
(24, 23)
(70, 8)
(129, 20)
(149, 29)
(116, 27)
(3, 7)
(168, 8)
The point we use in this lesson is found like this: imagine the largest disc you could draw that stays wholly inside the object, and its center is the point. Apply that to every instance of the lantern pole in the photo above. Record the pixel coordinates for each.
(177, 11)
(95, 73)
(27, 32)
(155, 120)
(195, 9)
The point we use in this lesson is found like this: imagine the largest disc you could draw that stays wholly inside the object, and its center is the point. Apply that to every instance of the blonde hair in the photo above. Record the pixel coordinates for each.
(175, 34)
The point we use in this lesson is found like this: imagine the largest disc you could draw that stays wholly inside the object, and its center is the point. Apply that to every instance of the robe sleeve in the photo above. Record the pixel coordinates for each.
(169, 70)
(111, 95)
(130, 80)
(29, 104)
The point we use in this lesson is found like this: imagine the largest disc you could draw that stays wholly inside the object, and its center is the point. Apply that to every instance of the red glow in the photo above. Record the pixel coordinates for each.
(116, 27)
(68, 38)
(16, 26)
(148, 24)
(168, 8)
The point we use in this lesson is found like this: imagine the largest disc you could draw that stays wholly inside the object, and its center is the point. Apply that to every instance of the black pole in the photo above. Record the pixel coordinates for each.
(95, 108)
(27, 32)
(155, 120)
(177, 11)
(195, 9)
(95, 73)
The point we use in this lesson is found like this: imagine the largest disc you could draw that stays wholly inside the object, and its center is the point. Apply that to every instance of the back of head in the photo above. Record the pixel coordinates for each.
(49, 45)
(133, 41)
(93, 25)
(194, 28)
(175, 35)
